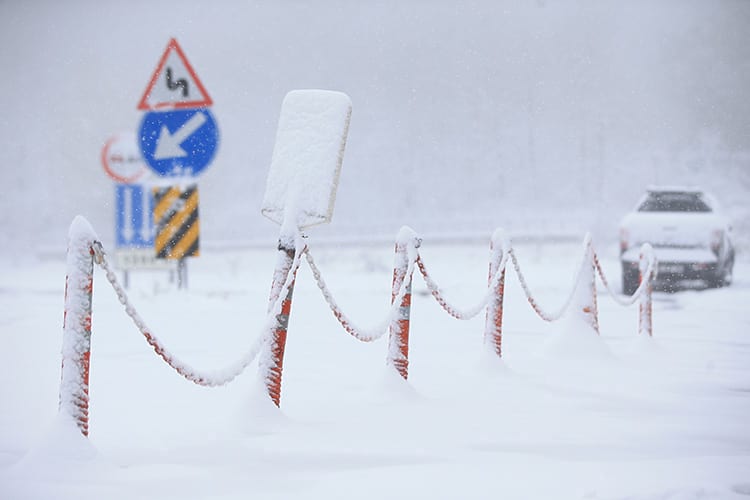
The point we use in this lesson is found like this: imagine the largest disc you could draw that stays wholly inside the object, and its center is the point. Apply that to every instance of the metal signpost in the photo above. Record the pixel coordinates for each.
(178, 138)
(300, 192)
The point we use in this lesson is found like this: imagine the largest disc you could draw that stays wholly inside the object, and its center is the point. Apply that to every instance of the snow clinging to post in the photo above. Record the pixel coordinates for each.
(76, 348)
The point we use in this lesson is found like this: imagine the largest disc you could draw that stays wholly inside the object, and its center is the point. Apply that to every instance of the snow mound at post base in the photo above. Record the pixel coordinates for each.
(62, 452)
(392, 387)
(576, 339)
(257, 414)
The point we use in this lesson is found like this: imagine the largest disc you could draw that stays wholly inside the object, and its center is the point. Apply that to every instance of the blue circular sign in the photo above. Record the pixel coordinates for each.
(178, 143)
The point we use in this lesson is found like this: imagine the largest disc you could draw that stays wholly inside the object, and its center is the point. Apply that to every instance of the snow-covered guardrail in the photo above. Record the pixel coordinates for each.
(84, 250)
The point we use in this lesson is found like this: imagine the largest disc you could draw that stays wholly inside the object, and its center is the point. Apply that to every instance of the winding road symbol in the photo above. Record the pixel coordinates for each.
(181, 83)
(174, 84)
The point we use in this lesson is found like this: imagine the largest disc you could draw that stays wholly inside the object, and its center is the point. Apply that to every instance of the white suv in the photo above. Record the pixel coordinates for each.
(691, 240)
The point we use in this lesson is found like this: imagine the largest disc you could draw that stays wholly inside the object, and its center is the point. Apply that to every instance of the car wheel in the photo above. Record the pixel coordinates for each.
(630, 281)
(724, 275)
(728, 272)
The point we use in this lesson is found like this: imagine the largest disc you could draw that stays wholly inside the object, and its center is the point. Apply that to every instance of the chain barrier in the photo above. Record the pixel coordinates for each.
(222, 377)
(206, 379)
(458, 313)
(85, 250)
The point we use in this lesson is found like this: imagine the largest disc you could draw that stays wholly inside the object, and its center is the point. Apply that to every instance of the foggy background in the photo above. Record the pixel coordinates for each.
(545, 118)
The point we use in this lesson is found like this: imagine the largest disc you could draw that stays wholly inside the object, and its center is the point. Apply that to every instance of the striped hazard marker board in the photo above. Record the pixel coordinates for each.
(176, 222)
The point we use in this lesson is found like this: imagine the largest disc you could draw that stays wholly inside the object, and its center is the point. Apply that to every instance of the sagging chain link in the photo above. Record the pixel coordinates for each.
(530, 298)
(357, 332)
(450, 308)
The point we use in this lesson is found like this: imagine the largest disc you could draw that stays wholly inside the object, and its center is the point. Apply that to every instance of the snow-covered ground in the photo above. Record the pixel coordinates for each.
(613, 417)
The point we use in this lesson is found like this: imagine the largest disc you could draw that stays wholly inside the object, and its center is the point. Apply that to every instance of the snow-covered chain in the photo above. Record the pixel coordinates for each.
(505, 252)
(362, 334)
(452, 309)
(546, 316)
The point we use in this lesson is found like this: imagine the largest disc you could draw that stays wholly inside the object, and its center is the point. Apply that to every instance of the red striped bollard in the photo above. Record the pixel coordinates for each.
(76, 347)
(398, 339)
(585, 300)
(493, 325)
(645, 306)
(272, 361)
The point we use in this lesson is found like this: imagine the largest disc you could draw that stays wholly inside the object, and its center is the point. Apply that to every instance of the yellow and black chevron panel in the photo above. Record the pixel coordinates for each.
(176, 222)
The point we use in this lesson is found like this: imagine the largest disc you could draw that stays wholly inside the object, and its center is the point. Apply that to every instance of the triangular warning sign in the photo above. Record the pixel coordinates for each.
(174, 84)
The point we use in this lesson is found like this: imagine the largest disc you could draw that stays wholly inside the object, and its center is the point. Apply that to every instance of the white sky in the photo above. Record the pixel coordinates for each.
(467, 115)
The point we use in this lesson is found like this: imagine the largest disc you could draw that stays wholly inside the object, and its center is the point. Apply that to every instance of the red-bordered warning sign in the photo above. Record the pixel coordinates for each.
(174, 84)
(121, 158)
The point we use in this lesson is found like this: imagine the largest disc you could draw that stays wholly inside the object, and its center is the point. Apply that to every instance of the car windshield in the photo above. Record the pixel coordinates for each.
(674, 202)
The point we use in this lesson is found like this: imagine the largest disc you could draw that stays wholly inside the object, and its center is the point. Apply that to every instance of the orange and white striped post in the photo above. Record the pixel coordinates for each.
(76, 348)
(398, 339)
(493, 325)
(272, 363)
(587, 303)
(645, 303)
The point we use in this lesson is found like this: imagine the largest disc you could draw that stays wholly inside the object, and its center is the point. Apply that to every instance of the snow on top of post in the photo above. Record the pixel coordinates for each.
(406, 236)
(307, 157)
(80, 229)
(500, 243)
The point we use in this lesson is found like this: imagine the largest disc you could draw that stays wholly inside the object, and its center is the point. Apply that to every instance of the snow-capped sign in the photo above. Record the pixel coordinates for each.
(174, 84)
(307, 157)
(122, 159)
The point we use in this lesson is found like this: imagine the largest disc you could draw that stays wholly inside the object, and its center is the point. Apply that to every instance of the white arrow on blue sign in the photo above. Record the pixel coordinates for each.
(134, 208)
(178, 143)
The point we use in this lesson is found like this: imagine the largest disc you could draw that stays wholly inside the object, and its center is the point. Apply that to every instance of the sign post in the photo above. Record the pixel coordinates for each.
(178, 138)
(300, 192)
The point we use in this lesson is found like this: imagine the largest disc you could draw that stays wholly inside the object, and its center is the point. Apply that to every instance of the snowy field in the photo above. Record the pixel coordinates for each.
(619, 417)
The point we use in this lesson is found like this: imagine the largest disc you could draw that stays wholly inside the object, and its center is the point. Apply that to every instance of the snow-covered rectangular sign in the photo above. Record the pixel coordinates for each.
(307, 157)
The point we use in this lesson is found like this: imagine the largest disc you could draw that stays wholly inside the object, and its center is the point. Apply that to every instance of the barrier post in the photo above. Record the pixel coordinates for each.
(493, 325)
(76, 347)
(587, 297)
(272, 362)
(398, 338)
(645, 304)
